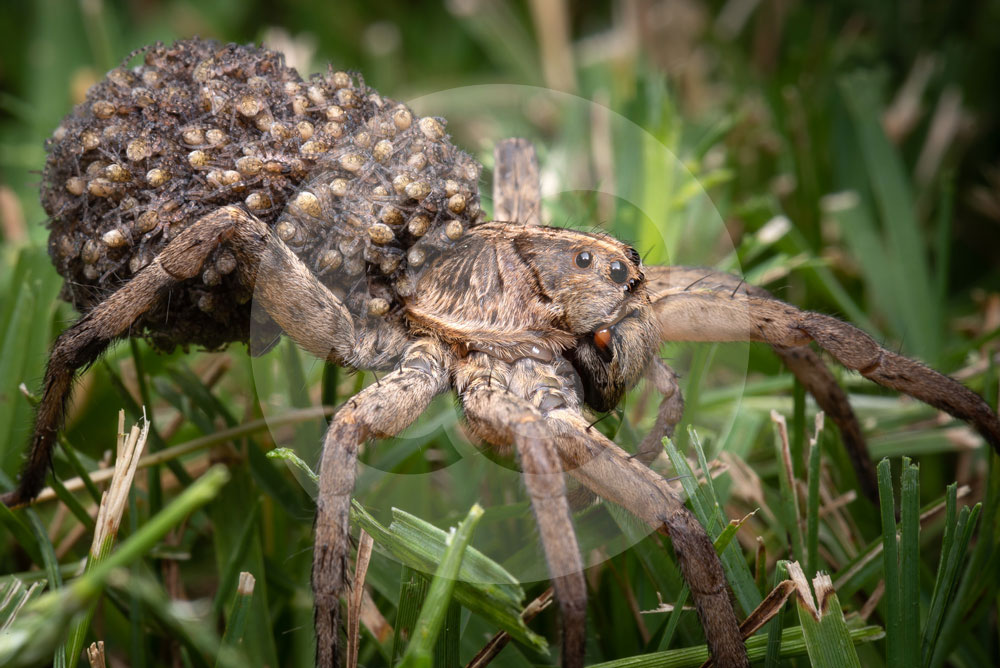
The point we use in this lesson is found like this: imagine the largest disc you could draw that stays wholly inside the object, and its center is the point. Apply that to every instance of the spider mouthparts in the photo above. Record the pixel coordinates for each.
(602, 338)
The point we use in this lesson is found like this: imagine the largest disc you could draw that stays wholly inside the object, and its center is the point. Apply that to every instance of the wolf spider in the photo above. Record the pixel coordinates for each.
(530, 326)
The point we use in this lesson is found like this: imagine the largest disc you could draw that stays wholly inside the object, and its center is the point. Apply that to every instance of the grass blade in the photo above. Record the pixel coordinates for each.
(789, 499)
(828, 640)
(420, 650)
(774, 628)
(237, 624)
(412, 590)
(909, 567)
(812, 501)
(793, 644)
(38, 629)
(953, 548)
(890, 566)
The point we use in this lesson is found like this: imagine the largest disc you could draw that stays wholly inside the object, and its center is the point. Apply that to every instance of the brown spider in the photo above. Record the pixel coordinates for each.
(365, 244)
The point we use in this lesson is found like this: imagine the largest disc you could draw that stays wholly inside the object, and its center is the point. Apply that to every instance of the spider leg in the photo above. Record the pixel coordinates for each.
(609, 471)
(501, 417)
(379, 410)
(285, 288)
(539, 403)
(700, 313)
(667, 416)
(516, 190)
(802, 361)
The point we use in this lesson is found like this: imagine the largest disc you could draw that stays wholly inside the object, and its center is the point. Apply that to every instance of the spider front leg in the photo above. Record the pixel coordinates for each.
(802, 361)
(708, 316)
(670, 412)
(285, 288)
(610, 472)
(530, 403)
(380, 410)
(701, 305)
(501, 417)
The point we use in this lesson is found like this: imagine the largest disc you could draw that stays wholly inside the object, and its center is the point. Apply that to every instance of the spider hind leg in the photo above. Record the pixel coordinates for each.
(284, 287)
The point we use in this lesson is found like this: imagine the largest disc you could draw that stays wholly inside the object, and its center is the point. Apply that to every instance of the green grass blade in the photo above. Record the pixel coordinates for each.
(793, 644)
(49, 560)
(40, 627)
(798, 436)
(13, 342)
(412, 590)
(957, 532)
(21, 533)
(772, 658)
(909, 567)
(707, 510)
(435, 609)
(905, 291)
(828, 640)
(236, 627)
(52, 573)
(789, 511)
(69, 451)
(230, 575)
(497, 582)
(983, 555)
(73, 504)
(446, 651)
(890, 566)
(14, 595)
(760, 567)
(812, 509)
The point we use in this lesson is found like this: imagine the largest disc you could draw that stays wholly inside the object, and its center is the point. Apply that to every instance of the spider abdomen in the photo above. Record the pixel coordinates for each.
(356, 184)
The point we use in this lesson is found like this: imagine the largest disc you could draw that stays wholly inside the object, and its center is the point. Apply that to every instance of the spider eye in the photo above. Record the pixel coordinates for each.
(619, 274)
(583, 259)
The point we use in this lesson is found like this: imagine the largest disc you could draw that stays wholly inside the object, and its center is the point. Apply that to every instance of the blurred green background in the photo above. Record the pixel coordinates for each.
(846, 155)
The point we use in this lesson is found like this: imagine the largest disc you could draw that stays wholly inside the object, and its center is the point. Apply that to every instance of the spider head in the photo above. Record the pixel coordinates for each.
(591, 281)
(596, 282)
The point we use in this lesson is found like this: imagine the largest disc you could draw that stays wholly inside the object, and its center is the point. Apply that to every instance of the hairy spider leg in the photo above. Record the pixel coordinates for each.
(516, 185)
(381, 411)
(593, 460)
(669, 413)
(708, 312)
(287, 290)
(543, 396)
(802, 361)
(513, 413)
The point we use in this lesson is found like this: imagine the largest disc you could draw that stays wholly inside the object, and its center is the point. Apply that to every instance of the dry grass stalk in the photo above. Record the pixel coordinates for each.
(115, 499)
(95, 654)
(357, 594)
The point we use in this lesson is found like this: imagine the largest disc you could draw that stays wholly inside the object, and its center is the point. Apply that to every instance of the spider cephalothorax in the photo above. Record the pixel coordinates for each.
(355, 228)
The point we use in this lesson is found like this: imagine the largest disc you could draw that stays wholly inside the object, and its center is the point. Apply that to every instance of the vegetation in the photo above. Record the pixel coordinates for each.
(844, 157)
